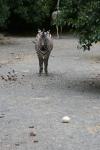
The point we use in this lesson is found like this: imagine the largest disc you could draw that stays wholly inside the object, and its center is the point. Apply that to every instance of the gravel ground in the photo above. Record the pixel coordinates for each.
(32, 107)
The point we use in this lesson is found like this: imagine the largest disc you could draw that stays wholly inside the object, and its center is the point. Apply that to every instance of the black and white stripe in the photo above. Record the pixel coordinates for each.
(43, 47)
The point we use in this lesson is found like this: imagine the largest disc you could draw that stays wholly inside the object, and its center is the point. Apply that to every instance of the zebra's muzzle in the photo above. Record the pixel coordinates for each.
(43, 48)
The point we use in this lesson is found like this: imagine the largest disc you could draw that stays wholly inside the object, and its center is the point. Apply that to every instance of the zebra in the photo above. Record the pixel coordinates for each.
(43, 47)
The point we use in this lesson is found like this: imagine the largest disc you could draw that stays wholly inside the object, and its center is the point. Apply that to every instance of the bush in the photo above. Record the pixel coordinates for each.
(84, 18)
(4, 13)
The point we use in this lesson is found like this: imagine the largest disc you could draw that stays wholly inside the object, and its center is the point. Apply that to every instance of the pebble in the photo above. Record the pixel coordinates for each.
(32, 134)
(31, 126)
(17, 144)
(65, 119)
(35, 141)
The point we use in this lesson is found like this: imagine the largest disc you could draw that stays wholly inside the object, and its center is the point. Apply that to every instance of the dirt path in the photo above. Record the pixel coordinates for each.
(31, 107)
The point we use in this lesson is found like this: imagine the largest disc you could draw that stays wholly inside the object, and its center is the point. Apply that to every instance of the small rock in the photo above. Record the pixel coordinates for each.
(65, 119)
(9, 73)
(13, 71)
(17, 57)
(31, 127)
(17, 144)
(2, 77)
(36, 141)
(6, 79)
(2, 116)
(32, 134)
(9, 78)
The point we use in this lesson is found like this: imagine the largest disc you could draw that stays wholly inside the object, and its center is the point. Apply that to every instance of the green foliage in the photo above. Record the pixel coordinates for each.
(88, 23)
(4, 13)
(84, 18)
(20, 13)
(33, 12)
(69, 11)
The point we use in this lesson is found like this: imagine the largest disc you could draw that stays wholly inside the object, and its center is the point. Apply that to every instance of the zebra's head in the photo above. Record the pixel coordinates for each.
(43, 40)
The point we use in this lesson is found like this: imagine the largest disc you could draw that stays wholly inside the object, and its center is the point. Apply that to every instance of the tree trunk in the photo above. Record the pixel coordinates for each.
(57, 29)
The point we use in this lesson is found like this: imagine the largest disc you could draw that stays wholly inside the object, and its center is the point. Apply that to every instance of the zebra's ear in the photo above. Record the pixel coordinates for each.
(39, 30)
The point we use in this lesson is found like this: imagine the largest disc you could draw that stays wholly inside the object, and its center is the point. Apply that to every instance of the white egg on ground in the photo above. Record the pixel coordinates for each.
(66, 119)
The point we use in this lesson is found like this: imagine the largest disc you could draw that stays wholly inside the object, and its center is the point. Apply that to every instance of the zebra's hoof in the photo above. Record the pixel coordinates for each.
(40, 72)
(46, 73)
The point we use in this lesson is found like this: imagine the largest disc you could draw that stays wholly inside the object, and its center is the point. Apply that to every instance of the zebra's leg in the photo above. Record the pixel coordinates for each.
(46, 65)
(40, 65)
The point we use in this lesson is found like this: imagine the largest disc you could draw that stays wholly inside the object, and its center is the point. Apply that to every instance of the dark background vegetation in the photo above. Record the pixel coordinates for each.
(79, 16)
(26, 15)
